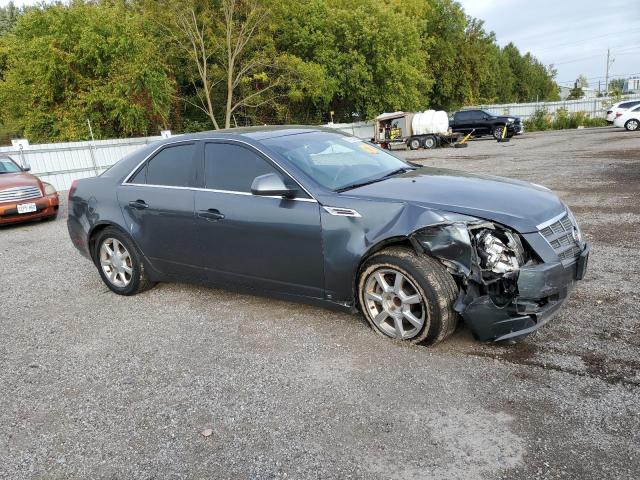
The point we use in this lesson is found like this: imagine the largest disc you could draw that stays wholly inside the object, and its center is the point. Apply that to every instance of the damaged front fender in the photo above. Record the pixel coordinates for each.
(450, 243)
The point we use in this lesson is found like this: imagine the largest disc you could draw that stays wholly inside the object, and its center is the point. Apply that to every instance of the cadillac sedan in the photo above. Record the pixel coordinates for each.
(309, 213)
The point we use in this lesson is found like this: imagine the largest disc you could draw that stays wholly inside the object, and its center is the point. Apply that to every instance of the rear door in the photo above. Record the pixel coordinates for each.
(157, 203)
(268, 242)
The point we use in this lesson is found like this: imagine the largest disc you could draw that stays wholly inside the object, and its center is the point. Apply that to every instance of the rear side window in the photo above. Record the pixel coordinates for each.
(462, 116)
(172, 167)
(233, 167)
(628, 104)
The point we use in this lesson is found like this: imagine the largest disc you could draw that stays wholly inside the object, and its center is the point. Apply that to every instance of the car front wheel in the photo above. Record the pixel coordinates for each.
(407, 296)
(119, 263)
(497, 132)
(632, 125)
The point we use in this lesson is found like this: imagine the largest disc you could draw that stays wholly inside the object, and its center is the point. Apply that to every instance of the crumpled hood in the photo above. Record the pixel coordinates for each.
(517, 204)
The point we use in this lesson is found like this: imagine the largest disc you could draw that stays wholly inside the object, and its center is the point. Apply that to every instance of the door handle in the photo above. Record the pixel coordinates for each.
(138, 204)
(211, 214)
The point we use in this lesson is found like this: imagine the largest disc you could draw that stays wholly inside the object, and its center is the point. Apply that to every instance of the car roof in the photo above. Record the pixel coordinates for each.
(248, 134)
(255, 133)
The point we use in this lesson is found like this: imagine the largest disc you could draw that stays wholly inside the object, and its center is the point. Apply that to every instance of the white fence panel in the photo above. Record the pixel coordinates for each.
(61, 163)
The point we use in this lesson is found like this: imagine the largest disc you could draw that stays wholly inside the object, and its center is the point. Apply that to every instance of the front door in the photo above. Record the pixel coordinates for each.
(267, 242)
(157, 204)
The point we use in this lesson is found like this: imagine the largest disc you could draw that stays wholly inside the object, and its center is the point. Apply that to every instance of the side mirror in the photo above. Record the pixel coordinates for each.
(271, 185)
(26, 167)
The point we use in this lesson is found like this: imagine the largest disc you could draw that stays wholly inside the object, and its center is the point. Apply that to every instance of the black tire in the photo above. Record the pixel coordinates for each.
(430, 142)
(414, 143)
(429, 278)
(139, 281)
(497, 132)
(632, 125)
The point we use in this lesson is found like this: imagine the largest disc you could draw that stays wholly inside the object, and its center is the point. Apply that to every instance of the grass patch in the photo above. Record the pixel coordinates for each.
(542, 120)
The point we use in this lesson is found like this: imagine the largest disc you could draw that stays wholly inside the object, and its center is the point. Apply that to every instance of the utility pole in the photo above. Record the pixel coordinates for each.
(606, 77)
(91, 147)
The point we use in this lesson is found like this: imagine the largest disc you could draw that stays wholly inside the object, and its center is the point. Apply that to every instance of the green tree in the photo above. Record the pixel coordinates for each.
(8, 17)
(576, 93)
(370, 54)
(616, 86)
(582, 81)
(65, 64)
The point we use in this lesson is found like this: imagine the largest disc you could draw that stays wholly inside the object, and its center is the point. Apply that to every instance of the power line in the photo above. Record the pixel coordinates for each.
(554, 47)
(621, 51)
(600, 77)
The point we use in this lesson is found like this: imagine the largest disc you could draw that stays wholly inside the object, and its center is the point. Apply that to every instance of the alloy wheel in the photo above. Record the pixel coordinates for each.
(632, 125)
(116, 262)
(394, 304)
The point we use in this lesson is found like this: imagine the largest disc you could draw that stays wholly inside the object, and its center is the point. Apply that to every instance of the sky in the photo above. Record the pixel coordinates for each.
(573, 35)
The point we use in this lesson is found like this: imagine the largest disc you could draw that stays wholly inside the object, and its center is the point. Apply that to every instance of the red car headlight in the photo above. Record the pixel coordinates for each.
(48, 188)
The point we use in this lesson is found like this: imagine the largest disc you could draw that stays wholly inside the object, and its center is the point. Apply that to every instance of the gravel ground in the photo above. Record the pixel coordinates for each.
(98, 386)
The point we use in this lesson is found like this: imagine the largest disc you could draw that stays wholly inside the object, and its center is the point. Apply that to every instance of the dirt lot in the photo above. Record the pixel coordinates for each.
(94, 385)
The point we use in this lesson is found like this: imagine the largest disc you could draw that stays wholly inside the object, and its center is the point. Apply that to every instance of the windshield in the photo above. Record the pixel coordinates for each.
(8, 166)
(336, 161)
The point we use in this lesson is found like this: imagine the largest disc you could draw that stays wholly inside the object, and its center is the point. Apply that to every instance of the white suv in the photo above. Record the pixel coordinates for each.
(619, 108)
(629, 119)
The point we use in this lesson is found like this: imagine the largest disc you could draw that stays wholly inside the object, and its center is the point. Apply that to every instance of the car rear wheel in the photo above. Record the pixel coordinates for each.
(632, 125)
(407, 296)
(119, 263)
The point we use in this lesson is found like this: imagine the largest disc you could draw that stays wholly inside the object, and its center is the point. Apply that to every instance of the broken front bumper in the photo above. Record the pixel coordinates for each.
(542, 290)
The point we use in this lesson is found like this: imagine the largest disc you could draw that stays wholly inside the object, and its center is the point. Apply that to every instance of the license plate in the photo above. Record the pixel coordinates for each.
(27, 208)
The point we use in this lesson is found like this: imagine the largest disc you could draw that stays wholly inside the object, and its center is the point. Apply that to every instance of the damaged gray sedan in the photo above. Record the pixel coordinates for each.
(308, 213)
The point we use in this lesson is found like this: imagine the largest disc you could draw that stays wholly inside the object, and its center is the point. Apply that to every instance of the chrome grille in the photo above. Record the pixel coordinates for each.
(560, 236)
(17, 194)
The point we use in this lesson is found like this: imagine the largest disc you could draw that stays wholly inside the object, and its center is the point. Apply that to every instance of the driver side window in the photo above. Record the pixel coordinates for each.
(233, 167)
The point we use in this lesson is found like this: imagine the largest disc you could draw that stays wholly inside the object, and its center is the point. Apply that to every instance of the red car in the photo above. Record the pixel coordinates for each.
(23, 196)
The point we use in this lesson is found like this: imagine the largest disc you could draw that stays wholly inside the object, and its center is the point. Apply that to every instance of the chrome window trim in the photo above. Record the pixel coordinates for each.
(213, 139)
(232, 192)
(551, 221)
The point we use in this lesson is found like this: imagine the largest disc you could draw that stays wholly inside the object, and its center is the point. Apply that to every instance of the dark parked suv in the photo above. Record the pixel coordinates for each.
(483, 122)
(312, 213)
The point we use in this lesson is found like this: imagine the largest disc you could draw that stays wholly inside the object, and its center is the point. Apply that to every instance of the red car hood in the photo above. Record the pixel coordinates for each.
(20, 179)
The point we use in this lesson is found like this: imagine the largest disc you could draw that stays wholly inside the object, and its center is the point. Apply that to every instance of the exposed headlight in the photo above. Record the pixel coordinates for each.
(48, 188)
(577, 234)
(499, 251)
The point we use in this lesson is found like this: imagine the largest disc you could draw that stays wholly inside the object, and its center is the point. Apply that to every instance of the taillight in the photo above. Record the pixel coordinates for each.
(618, 114)
(72, 189)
